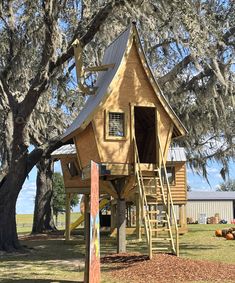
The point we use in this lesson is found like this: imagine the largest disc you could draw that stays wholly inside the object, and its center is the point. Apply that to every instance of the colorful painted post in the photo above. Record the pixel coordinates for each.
(94, 253)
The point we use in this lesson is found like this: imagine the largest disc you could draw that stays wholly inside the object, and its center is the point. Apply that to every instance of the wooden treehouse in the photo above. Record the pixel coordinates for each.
(127, 127)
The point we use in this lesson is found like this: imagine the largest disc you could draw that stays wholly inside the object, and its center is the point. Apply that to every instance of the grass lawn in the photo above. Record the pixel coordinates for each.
(24, 221)
(54, 261)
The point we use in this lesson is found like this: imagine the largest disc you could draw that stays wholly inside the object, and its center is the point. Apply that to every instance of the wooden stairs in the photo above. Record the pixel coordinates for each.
(157, 209)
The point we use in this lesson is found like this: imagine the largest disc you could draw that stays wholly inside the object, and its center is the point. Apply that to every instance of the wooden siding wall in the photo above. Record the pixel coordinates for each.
(224, 208)
(179, 190)
(72, 182)
(86, 146)
(130, 87)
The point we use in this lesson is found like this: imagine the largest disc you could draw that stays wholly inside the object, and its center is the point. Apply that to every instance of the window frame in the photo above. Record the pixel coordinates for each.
(173, 183)
(115, 138)
(74, 170)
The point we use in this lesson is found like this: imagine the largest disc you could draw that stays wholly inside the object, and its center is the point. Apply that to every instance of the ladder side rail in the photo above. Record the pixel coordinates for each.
(143, 196)
(172, 211)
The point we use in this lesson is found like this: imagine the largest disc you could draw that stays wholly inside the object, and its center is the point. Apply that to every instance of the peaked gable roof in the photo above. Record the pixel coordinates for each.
(115, 54)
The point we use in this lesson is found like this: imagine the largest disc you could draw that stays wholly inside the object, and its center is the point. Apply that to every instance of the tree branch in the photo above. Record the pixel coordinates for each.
(44, 150)
(171, 75)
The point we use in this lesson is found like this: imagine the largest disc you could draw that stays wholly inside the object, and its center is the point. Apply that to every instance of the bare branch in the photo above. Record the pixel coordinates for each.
(171, 75)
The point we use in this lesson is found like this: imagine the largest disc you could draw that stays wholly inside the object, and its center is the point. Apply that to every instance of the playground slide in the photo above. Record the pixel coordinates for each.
(78, 222)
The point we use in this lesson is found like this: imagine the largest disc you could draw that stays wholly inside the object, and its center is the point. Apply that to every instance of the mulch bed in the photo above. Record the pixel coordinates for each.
(165, 268)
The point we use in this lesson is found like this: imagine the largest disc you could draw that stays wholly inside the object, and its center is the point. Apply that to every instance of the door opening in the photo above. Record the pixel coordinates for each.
(145, 133)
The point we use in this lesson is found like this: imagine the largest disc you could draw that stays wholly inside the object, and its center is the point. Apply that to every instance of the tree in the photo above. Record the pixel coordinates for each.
(34, 51)
(190, 46)
(59, 199)
(43, 214)
(228, 186)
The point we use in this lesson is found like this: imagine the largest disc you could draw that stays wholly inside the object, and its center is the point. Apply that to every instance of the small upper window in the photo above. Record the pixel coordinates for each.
(116, 124)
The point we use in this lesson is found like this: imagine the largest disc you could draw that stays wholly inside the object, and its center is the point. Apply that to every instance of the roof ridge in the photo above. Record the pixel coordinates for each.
(118, 36)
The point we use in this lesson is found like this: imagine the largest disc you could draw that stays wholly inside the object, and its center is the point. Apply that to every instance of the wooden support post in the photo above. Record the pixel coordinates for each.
(113, 217)
(138, 217)
(67, 217)
(182, 216)
(121, 225)
(86, 214)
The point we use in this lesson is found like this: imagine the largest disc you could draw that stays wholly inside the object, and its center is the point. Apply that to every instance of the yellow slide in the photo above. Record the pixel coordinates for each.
(103, 203)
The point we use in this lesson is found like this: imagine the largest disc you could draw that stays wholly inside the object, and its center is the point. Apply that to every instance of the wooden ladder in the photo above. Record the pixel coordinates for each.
(157, 208)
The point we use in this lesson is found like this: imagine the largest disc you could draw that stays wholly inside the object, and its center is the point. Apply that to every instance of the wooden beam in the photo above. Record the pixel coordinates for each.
(167, 144)
(109, 188)
(128, 187)
(99, 68)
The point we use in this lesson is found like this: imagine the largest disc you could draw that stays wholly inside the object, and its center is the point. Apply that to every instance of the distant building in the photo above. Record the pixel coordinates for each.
(211, 203)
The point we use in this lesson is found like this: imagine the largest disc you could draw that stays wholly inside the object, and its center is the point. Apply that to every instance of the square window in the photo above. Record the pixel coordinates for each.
(116, 124)
(170, 175)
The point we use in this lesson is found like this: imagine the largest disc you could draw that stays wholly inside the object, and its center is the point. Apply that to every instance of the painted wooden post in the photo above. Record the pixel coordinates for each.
(67, 218)
(121, 225)
(92, 269)
(87, 237)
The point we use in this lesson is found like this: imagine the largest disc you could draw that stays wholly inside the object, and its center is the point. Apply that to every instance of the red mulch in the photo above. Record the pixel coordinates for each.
(165, 268)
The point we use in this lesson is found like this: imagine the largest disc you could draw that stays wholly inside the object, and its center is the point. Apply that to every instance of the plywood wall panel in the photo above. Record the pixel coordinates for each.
(130, 86)
(87, 147)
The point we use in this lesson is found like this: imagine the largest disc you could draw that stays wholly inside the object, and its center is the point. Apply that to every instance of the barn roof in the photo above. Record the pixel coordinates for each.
(115, 54)
(176, 154)
(205, 195)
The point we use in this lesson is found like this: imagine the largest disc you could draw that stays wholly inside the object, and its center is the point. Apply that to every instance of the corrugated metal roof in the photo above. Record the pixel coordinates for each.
(204, 195)
(67, 149)
(113, 55)
(174, 154)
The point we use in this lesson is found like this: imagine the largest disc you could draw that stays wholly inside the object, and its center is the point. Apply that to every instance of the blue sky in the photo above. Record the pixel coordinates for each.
(25, 203)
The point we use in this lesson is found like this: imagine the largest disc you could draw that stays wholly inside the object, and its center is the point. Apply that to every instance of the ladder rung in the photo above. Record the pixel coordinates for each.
(160, 239)
(162, 221)
(149, 186)
(154, 211)
(150, 177)
(161, 249)
(160, 229)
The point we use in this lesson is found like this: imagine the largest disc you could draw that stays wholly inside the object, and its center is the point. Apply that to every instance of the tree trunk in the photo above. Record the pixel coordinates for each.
(9, 191)
(43, 216)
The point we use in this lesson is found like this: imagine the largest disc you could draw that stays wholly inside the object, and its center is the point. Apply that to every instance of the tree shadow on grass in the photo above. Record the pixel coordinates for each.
(197, 247)
(37, 281)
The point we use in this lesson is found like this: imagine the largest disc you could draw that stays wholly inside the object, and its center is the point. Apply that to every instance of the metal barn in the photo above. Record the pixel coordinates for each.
(211, 203)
